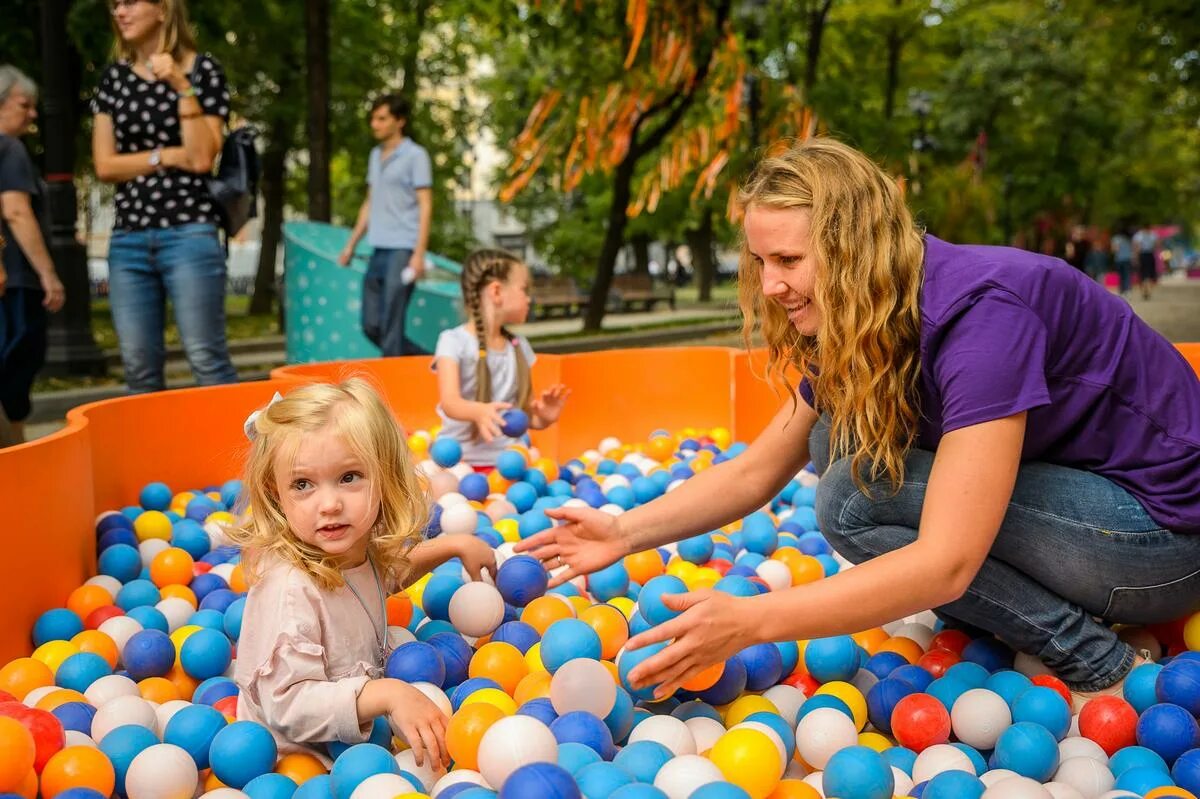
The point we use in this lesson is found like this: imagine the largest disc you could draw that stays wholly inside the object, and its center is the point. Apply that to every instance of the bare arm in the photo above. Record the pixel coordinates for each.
(18, 213)
(484, 415)
(744, 484)
(114, 168)
(360, 229)
(425, 208)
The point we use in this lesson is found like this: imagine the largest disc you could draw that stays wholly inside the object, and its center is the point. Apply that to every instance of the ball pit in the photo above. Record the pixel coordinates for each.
(134, 669)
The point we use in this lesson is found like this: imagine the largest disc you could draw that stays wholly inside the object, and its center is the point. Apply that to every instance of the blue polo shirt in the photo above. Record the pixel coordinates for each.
(395, 216)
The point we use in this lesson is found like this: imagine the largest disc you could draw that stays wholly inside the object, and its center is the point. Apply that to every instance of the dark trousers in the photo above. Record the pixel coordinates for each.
(22, 348)
(385, 302)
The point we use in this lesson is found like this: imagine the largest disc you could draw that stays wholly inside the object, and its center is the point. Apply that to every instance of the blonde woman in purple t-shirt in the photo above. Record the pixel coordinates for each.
(334, 527)
(998, 438)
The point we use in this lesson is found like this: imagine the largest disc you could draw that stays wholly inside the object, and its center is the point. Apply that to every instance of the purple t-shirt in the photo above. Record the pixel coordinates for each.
(1005, 331)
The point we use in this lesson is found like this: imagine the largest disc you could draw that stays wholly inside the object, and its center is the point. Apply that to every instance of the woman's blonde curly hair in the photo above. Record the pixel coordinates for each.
(864, 362)
(362, 419)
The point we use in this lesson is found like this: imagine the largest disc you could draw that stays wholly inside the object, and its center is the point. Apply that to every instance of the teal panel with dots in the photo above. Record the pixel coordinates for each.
(324, 300)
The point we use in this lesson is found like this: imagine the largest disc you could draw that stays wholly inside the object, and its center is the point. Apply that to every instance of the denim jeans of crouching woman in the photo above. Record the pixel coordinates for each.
(186, 264)
(1073, 549)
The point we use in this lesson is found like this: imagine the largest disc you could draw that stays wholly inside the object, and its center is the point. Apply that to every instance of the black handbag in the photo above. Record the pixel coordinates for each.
(235, 186)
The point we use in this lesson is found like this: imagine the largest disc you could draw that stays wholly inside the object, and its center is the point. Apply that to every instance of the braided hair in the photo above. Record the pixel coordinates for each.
(482, 267)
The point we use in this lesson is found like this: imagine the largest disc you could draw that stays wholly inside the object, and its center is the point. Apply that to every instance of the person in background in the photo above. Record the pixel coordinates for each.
(29, 284)
(395, 217)
(160, 112)
(1144, 242)
(1122, 250)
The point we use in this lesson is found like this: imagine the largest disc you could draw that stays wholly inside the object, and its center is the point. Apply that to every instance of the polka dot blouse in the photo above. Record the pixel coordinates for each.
(145, 115)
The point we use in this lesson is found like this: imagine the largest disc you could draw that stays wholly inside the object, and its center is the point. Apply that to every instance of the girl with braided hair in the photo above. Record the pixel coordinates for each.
(483, 368)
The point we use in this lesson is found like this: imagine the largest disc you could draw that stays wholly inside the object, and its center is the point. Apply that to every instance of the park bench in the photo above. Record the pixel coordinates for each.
(630, 290)
(556, 294)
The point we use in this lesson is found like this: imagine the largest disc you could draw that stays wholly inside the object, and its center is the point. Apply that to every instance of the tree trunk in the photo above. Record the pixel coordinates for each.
(316, 58)
(895, 42)
(816, 29)
(700, 242)
(274, 177)
(641, 253)
(614, 236)
(411, 60)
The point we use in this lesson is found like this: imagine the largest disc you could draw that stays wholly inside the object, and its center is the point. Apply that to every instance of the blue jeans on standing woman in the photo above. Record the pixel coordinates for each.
(1075, 550)
(385, 302)
(186, 264)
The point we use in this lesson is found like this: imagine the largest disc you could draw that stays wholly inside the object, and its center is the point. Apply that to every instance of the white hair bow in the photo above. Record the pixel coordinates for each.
(248, 427)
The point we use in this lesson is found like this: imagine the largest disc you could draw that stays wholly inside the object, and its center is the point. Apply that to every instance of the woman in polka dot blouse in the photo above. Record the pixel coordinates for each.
(160, 113)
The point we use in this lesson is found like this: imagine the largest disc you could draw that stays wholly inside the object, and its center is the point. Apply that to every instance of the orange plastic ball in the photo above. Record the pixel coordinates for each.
(16, 754)
(794, 789)
(705, 679)
(660, 448)
(399, 610)
(211, 782)
(172, 566)
(534, 685)
(183, 681)
(158, 689)
(98, 643)
(496, 482)
(544, 611)
(906, 648)
(610, 624)
(803, 568)
(548, 468)
(872, 639)
(466, 729)
(19, 677)
(59, 698)
(237, 580)
(29, 786)
(501, 662)
(644, 566)
(177, 591)
(300, 767)
(86, 598)
(78, 767)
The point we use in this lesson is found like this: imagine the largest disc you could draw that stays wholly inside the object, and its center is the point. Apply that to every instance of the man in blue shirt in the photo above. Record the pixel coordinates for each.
(395, 217)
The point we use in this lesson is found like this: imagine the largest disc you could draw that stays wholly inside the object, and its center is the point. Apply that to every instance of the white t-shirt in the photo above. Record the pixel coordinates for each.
(460, 344)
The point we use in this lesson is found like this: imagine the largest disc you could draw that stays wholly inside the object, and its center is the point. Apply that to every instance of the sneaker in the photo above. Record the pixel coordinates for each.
(1081, 698)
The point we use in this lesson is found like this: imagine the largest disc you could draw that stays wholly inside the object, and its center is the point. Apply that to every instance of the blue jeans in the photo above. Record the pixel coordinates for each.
(385, 301)
(1073, 548)
(186, 264)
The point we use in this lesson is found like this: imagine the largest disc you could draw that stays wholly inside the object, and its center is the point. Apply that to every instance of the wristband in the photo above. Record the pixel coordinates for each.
(190, 91)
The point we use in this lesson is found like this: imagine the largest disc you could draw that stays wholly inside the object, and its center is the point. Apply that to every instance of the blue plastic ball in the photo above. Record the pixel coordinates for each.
(1168, 730)
(205, 654)
(155, 496)
(456, 656)
(1135, 757)
(542, 780)
(630, 658)
(522, 495)
(650, 603)
(954, 785)
(643, 759)
(882, 699)
(416, 661)
(568, 639)
(191, 537)
(213, 690)
(148, 653)
(511, 464)
(220, 599)
(829, 659)
(1140, 687)
(112, 521)
(1009, 685)
(1044, 706)
(1178, 683)
(601, 779)
(609, 582)
(515, 422)
(80, 670)
(270, 786)
(583, 728)
(150, 618)
(521, 579)
(729, 687)
(445, 452)
(970, 674)
(122, 745)
(1028, 749)
(232, 619)
(764, 666)
(1186, 771)
(438, 591)
(575, 756)
(120, 561)
(242, 751)
(75, 716)
(357, 764)
(474, 487)
(947, 690)
(915, 676)
(989, 653)
(136, 593)
(58, 624)
(193, 729)
(518, 633)
(620, 719)
(858, 772)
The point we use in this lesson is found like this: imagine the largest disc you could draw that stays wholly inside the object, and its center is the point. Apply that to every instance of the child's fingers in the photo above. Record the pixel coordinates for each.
(432, 743)
(413, 736)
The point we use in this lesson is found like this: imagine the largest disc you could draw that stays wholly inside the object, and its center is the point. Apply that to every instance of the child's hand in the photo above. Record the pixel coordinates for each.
(487, 418)
(414, 716)
(548, 407)
(475, 554)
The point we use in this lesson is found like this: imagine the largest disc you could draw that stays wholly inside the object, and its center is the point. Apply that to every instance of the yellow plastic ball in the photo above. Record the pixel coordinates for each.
(182, 634)
(1191, 633)
(221, 517)
(494, 697)
(744, 706)
(748, 759)
(874, 740)
(533, 656)
(703, 577)
(721, 437)
(508, 530)
(625, 605)
(851, 696)
(416, 591)
(152, 524)
(53, 653)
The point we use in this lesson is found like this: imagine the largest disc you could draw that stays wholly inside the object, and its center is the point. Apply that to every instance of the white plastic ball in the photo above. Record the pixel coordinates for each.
(459, 519)
(1017, 788)
(614, 481)
(38, 694)
(436, 695)
(806, 478)
(682, 776)
(162, 771)
(817, 781)
(705, 731)
(217, 535)
(775, 573)
(990, 778)
(1086, 775)
(1060, 790)
(461, 470)
(77, 738)
(224, 793)
(454, 778)
(787, 700)
(398, 636)
(904, 783)
(607, 445)
(476, 609)
(674, 484)
(575, 502)
(450, 499)
(582, 684)
(512, 742)
(151, 547)
(795, 771)
(121, 711)
(109, 687)
(668, 731)
(864, 681)
(979, 717)
(1118, 795)
(1081, 747)
(224, 571)
(177, 611)
(938, 758)
(504, 552)
(497, 509)
(110, 584)
(382, 786)
(407, 761)
(823, 733)
(167, 710)
(428, 468)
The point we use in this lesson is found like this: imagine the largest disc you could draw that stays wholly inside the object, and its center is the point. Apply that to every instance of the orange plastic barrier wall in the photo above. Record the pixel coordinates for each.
(51, 489)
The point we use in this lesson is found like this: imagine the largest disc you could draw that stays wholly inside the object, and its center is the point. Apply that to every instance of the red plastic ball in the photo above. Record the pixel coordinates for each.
(804, 681)
(920, 721)
(200, 567)
(227, 706)
(1110, 721)
(47, 731)
(951, 640)
(5, 696)
(101, 615)
(721, 567)
(1050, 681)
(936, 661)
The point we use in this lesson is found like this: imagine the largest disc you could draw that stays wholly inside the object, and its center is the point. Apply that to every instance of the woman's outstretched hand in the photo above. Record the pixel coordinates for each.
(712, 628)
(587, 542)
